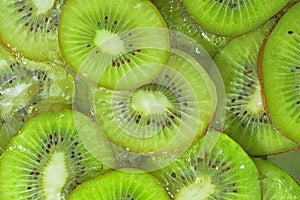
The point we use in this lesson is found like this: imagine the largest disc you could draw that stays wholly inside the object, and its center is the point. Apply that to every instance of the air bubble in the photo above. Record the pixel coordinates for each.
(218, 40)
(192, 29)
(96, 168)
(176, 27)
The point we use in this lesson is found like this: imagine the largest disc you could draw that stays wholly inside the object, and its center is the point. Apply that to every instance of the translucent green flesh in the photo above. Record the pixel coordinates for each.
(221, 171)
(181, 115)
(232, 17)
(178, 20)
(46, 159)
(102, 41)
(246, 120)
(281, 74)
(127, 185)
(36, 22)
(26, 88)
(276, 183)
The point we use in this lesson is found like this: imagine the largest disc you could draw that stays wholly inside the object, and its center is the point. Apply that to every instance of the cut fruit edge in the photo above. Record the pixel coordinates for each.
(261, 79)
(216, 89)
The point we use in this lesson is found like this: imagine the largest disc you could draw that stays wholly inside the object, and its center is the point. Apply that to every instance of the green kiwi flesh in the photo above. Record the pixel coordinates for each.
(178, 20)
(219, 171)
(47, 159)
(26, 88)
(246, 119)
(30, 27)
(234, 17)
(276, 183)
(280, 74)
(163, 115)
(102, 40)
(129, 184)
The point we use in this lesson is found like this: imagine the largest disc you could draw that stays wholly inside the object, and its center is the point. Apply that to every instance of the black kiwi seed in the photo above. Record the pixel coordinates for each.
(67, 161)
(155, 110)
(246, 120)
(214, 174)
(132, 185)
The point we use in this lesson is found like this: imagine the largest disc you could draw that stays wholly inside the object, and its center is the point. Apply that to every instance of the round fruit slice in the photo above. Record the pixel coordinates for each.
(276, 183)
(102, 40)
(221, 171)
(246, 120)
(165, 114)
(129, 184)
(30, 27)
(178, 20)
(233, 17)
(26, 88)
(47, 159)
(280, 73)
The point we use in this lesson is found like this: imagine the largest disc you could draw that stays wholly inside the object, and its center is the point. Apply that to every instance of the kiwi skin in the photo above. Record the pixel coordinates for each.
(224, 28)
(34, 87)
(207, 168)
(179, 20)
(20, 19)
(276, 183)
(141, 41)
(289, 6)
(190, 94)
(39, 147)
(131, 184)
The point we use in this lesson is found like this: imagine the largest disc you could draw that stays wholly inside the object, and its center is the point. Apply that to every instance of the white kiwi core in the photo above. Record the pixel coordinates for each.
(255, 104)
(150, 102)
(43, 5)
(55, 176)
(201, 189)
(109, 42)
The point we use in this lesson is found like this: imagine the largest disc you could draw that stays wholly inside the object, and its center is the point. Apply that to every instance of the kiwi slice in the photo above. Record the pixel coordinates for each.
(47, 159)
(163, 115)
(220, 171)
(30, 27)
(246, 119)
(102, 40)
(178, 20)
(276, 183)
(232, 17)
(26, 88)
(280, 73)
(128, 185)
(184, 43)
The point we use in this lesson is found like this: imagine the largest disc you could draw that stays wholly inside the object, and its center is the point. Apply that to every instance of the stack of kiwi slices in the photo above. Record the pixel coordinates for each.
(148, 99)
(27, 88)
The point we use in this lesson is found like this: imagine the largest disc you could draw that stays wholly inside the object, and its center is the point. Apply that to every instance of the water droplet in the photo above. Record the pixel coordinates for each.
(96, 168)
(224, 147)
(191, 29)
(176, 27)
(174, 5)
(218, 40)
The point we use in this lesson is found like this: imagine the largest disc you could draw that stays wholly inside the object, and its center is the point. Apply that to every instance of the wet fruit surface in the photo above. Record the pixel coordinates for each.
(164, 99)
